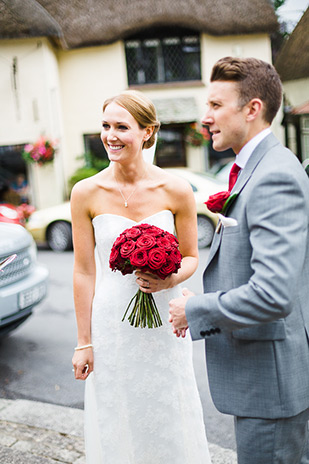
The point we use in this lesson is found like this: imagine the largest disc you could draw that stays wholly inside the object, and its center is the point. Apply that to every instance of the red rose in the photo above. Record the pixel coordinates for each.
(168, 268)
(153, 230)
(146, 241)
(114, 258)
(173, 240)
(144, 226)
(127, 269)
(165, 243)
(119, 240)
(176, 256)
(156, 258)
(139, 258)
(127, 248)
(215, 202)
(133, 233)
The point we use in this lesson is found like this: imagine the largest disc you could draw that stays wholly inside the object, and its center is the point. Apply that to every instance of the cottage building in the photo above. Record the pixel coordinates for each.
(60, 59)
(292, 64)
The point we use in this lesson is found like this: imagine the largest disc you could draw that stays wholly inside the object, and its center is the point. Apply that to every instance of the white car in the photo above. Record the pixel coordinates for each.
(53, 225)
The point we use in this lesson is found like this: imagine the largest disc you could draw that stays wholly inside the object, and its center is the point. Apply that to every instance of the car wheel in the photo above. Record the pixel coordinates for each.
(59, 236)
(205, 231)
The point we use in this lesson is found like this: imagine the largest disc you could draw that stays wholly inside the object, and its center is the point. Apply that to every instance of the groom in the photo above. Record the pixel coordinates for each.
(254, 313)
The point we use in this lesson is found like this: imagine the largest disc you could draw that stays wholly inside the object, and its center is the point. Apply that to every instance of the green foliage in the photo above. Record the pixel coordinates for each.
(92, 165)
(79, 174)
(91, 161)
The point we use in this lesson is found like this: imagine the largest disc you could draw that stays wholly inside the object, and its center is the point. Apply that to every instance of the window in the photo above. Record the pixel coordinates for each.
(170, 150)
(95, 154)
(158, 56)
(12, 166)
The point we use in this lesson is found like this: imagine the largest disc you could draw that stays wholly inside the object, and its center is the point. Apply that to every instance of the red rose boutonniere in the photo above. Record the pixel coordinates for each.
(219, 202)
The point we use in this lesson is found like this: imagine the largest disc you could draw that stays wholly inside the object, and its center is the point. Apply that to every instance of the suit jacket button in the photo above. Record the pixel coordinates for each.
(207, 333)
(217, 330)
(203, 333)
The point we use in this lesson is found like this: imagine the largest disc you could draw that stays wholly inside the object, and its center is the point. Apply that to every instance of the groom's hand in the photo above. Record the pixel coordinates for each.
(177, 313)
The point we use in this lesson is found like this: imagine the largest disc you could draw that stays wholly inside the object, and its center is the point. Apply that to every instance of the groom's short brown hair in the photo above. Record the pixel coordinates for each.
(255, 79)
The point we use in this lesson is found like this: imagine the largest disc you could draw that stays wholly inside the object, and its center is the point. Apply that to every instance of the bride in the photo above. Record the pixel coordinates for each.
(141, 400)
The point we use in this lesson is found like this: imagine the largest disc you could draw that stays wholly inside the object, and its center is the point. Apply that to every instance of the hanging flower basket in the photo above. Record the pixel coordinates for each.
(41, 152)
(196, 135)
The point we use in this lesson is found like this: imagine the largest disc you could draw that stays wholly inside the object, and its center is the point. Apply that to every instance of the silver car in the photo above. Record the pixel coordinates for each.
(23, 282)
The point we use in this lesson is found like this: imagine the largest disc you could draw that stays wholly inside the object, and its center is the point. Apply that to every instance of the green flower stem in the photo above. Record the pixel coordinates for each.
(229, 202)
(145, 312)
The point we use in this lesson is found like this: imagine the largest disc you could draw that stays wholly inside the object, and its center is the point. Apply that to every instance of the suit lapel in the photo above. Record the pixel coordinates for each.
(257, 155)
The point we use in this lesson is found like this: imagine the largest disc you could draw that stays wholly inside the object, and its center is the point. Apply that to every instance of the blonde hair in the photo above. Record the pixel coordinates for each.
(141, 108)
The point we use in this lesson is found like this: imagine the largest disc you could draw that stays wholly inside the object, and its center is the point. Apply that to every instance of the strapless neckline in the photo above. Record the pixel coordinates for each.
(132, 220)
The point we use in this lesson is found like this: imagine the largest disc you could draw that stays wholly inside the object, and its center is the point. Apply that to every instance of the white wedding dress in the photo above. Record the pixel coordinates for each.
(141, 402)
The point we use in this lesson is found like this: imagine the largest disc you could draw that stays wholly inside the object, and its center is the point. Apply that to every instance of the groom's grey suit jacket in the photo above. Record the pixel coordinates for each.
(254, 313)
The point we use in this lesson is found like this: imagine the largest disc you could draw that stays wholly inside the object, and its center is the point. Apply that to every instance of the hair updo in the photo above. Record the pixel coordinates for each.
(141, 108)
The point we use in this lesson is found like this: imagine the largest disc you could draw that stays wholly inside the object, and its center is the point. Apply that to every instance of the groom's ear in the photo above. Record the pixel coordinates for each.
(254, 109)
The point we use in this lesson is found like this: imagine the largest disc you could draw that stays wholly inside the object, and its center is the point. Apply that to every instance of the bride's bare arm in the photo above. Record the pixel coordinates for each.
(83, 279)
(183, 205)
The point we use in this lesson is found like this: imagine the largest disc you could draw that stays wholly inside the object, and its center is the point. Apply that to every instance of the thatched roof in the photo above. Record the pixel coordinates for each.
(78, 23)
(293, 59)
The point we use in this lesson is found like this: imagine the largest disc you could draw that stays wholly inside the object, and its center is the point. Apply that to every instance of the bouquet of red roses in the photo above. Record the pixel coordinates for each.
(149, 249)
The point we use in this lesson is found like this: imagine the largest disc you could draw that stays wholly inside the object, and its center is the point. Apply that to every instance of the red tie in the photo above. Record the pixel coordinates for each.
(233, 176)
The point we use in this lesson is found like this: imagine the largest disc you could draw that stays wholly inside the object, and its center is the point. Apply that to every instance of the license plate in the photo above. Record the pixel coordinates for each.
(31, 296)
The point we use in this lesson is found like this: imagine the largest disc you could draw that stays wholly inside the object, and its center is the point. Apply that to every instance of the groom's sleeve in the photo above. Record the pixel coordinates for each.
(196, 309)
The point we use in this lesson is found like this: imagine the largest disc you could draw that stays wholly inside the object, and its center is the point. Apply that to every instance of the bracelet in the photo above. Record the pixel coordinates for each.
(83, 347)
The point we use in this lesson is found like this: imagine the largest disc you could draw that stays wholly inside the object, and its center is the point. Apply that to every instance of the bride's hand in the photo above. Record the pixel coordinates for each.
(83, 363)
(150, 283)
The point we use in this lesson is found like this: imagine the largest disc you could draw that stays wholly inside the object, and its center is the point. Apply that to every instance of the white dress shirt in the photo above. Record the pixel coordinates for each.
(247, 150)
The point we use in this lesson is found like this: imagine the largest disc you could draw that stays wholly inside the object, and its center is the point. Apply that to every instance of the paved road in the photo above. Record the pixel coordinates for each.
(36, 358)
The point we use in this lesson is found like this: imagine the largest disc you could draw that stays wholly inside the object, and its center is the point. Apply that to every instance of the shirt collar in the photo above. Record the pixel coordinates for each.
(247, 150)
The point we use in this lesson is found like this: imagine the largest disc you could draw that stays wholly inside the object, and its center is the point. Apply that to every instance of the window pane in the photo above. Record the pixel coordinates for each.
(134, 57)
(191, 54)
(173, 60)
(151, 57)
(170, 148)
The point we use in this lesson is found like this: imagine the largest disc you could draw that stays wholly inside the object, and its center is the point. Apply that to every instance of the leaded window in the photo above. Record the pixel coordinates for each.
(159, 57)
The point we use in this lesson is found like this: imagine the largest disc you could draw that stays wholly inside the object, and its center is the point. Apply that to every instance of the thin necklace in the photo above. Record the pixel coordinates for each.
(133, 191)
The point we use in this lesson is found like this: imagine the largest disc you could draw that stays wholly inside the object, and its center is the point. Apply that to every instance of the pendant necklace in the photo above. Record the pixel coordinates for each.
(133, 191)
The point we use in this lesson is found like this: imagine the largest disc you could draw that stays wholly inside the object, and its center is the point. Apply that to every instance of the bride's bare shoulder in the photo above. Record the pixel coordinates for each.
(172, 181)
(89, 185)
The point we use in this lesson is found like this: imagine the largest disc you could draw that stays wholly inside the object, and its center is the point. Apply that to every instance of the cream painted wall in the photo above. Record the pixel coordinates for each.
(297, 92)
(88, 76)
(32, 109)
(61, 94)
